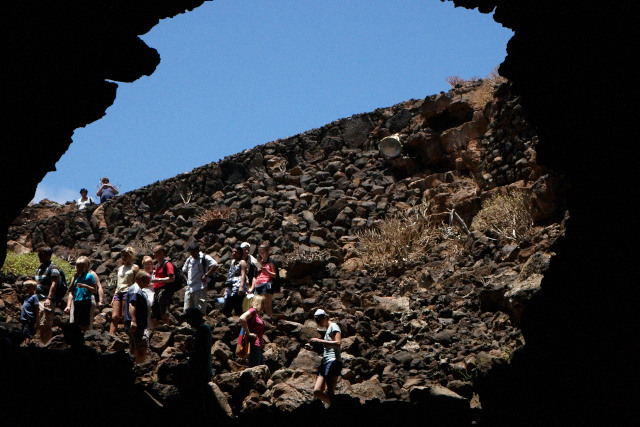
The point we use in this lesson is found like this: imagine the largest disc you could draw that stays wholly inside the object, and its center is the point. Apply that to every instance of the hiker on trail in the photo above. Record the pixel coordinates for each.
(149, 292)
(235, 284)
(253, 324)
(106, 191)
(82, 287)
(125, 278)
(331, 359)
(253, 266)
(47, 277)
(163, 274)
(29, 311)
(136, 317)
(198, 269)
(84, 201)
(97, 299)
(200, 371)
(262, 284)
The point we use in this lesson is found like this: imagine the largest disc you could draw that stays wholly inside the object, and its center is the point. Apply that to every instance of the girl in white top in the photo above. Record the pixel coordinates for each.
(126, 277)
(331, 366)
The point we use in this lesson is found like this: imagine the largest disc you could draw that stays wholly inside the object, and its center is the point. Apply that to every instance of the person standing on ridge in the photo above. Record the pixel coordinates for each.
(84, 201)
(106, 191)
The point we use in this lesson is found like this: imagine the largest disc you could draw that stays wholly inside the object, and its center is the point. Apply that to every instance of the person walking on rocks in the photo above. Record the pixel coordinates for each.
(262, 284)
(82, 288)
(200, 369)
(136, 317)
(253, 266)
(29, 311)
(125, 278)
(47, 276)
(198, 269)
(331, 359)
(149, 292)
(254, 326)
(235, 284)
(163, 274)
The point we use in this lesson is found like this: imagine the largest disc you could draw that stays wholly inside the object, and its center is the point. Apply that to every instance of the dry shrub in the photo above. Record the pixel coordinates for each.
(479, 95)
(215, 213)
(404, 238)
(507, 216)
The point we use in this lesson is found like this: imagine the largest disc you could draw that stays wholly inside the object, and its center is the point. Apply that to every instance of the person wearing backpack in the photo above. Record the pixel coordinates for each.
(50, 290)
(83, 286)
(198, 269)
(163, 279)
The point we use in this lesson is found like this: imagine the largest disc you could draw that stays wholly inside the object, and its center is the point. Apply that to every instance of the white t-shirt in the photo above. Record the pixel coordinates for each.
(82, 205)
(331, 353)
(194, 270)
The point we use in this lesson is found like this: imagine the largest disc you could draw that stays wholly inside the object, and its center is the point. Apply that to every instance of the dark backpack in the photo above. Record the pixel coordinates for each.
(62, 287)
(276, 284)
(178, 283)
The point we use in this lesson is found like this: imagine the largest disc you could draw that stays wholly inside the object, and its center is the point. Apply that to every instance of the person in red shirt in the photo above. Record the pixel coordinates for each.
(163, 273)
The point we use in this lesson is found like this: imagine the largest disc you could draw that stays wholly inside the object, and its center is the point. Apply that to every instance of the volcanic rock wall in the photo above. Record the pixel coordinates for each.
(421, 331)
(567, 60)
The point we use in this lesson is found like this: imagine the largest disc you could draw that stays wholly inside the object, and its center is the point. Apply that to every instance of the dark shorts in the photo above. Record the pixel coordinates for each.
(120, 296)
(262, 289)
(161, 303)
(333, 367)
(28, 328)
(82, 312)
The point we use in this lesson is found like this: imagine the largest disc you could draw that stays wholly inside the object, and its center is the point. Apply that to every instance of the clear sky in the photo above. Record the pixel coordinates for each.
(236, 74)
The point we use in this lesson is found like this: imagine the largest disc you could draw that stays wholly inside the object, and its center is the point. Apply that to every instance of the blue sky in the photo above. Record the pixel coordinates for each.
(236, 74)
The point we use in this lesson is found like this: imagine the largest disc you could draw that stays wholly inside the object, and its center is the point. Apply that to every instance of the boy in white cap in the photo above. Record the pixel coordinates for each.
(331, 359)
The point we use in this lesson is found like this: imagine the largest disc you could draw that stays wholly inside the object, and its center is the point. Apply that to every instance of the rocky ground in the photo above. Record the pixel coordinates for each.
(433, 324)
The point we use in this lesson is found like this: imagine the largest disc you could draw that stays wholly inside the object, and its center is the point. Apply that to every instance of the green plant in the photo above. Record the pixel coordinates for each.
(27, 264)
(508, 216)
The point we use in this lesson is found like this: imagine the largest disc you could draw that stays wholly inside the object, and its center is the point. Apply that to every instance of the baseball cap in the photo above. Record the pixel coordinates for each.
(319, 312)
(245, 245)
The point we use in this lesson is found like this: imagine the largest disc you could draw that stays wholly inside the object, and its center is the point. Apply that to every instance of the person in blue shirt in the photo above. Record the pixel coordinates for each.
(83, 286)
(106, 191)
(29, 312)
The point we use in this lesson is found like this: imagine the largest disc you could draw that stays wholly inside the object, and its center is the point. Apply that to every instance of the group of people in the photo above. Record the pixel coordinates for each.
(105, 192)
(143, 296)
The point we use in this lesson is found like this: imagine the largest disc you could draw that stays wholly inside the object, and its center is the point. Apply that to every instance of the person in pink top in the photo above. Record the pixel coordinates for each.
(252, 323)
(264, 279)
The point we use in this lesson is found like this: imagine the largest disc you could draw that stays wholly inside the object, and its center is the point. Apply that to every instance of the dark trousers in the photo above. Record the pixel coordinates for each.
(234, 303)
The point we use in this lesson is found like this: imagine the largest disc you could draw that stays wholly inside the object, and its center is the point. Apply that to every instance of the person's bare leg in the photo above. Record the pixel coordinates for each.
(116, 316)
(140, 355)
(331, 382)
(318, 390)
(268, 304)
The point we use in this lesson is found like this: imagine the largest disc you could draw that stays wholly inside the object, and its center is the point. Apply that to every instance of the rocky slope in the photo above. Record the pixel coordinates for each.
(433, 325)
